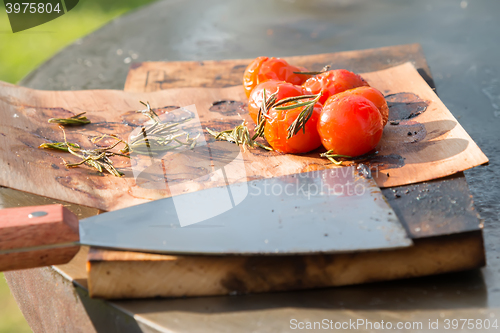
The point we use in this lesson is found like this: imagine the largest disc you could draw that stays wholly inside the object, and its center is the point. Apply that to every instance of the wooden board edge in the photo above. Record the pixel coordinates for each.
(411, 52)
(209, 276)
(416, 48)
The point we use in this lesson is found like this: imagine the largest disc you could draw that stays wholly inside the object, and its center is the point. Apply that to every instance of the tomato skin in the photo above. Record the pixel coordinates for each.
(371, 94)
(285, 90)
(276, 131)
(350, 125)
(279, 69)
(263, 69)
(333, 82)
(250, 75)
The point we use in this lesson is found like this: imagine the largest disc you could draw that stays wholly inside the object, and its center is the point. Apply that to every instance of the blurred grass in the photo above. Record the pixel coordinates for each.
(22, 52)
(11, 319)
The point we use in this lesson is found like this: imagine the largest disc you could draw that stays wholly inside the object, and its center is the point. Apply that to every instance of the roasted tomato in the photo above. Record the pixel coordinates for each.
(350, 125)
(250, 75)
(276, 131)
(373, 95)
(333, 82)
(263, 69)
(279, 69)
(285, 90)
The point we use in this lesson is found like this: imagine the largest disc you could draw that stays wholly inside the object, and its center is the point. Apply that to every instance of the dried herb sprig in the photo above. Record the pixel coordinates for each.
(332, 157)
(98, 158)
(304, 115)
(149, 112)
(58, 146)
(301, 120)
(123, 152)
(263, 113)
(239, 135)
(160, 137)
(325, 69)
(76, 120)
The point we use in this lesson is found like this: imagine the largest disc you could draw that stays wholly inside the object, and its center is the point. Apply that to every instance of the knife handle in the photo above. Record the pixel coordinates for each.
(37, 236)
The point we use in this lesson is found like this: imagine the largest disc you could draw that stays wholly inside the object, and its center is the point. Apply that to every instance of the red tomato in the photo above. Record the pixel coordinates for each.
(333, 82)
(250, 75)
(264, 69)
(350, 125)
(276, 131)
(285, 90)
(279, 69)
(371, 94)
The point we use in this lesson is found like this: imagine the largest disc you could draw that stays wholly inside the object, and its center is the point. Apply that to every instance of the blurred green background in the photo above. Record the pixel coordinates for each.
(22, 52)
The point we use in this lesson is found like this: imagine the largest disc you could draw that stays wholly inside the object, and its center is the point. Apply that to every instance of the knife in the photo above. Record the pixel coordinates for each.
(325, 211)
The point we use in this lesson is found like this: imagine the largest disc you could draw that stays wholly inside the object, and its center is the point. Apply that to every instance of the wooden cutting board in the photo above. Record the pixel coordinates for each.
(428, 146)
(448, 244)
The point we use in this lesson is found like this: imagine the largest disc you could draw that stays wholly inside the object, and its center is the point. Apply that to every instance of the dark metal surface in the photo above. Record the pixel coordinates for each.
(326, 211)
(434, 208)
(460, 40)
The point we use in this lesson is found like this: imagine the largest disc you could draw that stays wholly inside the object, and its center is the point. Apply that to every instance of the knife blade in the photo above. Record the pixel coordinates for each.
(331, 210)
(325, 211)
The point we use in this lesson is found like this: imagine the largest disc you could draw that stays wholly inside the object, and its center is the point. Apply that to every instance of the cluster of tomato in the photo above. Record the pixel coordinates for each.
(347, 117)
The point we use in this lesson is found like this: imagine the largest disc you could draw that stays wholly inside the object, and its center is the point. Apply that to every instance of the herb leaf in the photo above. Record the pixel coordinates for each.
(76, 120)
(239, 135)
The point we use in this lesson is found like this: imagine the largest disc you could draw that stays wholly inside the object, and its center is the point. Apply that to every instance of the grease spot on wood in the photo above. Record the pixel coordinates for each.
(405, 105)
(234, 284)
(228, 107)
(391, 161)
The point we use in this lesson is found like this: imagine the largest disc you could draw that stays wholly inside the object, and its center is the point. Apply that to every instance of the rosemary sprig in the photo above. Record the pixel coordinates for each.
(125, 150)
(98, 158)
(332, 157)
(160, 137)
(58, 145)
(76, 120)
(293, 99)
(304, 115)
(325, 69)
(301, 120)
(263, 113)
(239, 135)
(149, 112)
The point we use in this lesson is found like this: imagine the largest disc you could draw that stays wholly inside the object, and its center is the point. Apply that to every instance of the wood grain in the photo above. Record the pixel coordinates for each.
(18, 231)
(158, 275)
(444, 148)
(117, 274)
(154, 76)
(27, 111)
(40, 258)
